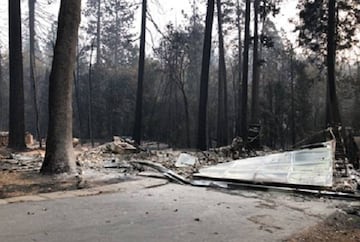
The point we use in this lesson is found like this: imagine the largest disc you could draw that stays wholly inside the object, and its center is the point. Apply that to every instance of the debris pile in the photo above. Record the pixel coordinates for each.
(121, 153)
(320, 166)
(30, 161)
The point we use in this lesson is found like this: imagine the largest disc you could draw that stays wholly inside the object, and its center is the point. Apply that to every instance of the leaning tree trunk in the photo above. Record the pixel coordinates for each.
(59, 156)
(16, 115)
(201, 138)
(244, 103)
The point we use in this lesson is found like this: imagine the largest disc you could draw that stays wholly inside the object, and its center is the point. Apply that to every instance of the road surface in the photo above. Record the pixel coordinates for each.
(163, 213)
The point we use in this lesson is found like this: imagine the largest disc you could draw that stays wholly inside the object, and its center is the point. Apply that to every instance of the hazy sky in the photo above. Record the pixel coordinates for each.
(163, 11)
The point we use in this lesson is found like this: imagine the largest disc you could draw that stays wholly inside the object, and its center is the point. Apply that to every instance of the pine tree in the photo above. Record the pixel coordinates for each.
(222, 121)
(16, 116)
(139, 95)
(110, 22)
(244, 103)
(204, 82)
(325, 28)
(33, 66)
(59, 156)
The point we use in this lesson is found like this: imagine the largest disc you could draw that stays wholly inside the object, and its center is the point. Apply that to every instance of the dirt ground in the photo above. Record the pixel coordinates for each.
(339, 227)
(20, 175)
(20, 183)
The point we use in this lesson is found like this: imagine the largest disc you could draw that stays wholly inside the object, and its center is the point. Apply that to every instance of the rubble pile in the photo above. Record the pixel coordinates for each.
(122, 157)
(21, 162)
(346, 179)
(95, 158)
(120, 153)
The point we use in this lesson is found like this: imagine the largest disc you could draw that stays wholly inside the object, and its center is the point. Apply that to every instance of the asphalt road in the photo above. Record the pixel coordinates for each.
(166, 213)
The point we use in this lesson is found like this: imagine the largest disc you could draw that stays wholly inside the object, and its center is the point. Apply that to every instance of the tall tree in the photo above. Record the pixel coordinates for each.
(196, 29)
(110, 23)
(33, 66)
(222, 121)
(1, 88)
(98, 33)
(59, 156)
(90, 99)
(175, 59)
(313, 25)
(262, 9)
(333, 106)
(139, 95)
(204, 82)
(292, 123)
(325, 28)
(255, 73)
(244, 103)
(196, 35)
(117, 38)
(16, 116)
(238, 96)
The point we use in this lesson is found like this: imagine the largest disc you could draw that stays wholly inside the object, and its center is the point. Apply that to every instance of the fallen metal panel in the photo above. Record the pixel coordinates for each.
(171, 175)
(303, 189)
(312, 167)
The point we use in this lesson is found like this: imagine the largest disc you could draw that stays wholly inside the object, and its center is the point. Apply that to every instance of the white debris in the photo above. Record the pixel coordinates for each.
(185, 160)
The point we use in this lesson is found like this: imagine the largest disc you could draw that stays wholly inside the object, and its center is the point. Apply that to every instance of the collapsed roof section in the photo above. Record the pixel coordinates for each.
(309, 167)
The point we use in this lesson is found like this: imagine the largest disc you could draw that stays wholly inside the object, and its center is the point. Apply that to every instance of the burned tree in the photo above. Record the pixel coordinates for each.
(222, 122)
(325, 28)
(204, 82)
(59, 156)
(139, 94)
(16, 118)
(33, 66)
(244, 103)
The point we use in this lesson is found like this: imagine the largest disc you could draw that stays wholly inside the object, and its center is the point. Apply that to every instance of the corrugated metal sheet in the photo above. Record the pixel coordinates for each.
(312, 167)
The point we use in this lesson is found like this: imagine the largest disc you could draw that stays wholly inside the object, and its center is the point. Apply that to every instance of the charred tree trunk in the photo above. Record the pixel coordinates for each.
(117, 33)
(16, 115)
(33, 67)
(139, 95)
(179, 80)
(204, 82)
(244, 103)
(255, 81)
(187, 117)
(333, 106)
(238, 113)
(59, 156)
(90, 100)
(1, 93)
(293, 125)
(222, 121)
(98, 37)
